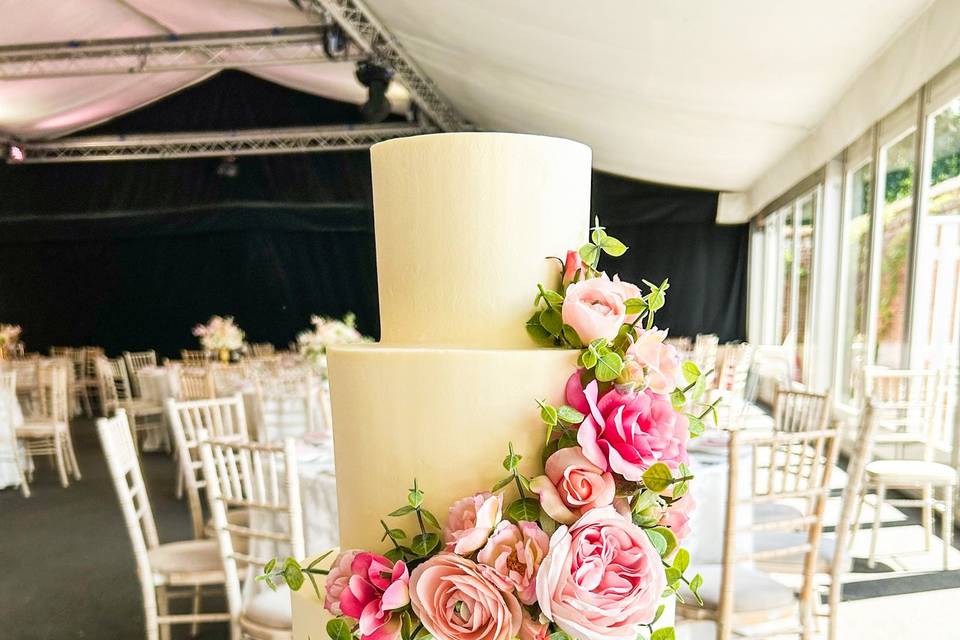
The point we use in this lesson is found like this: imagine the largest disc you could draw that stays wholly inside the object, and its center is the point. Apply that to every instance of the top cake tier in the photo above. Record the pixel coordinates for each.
(465, 223)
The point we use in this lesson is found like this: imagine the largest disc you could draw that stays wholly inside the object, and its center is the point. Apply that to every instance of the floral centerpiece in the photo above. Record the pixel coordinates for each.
(220, 336)
(313, 344)
(9, 337)
(586, 550)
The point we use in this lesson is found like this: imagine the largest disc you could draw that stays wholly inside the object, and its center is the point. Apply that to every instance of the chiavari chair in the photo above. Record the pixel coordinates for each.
(8, 396)
(47, 432)
(135, 361)
(193, 357)
(144, 416)
(196, 383)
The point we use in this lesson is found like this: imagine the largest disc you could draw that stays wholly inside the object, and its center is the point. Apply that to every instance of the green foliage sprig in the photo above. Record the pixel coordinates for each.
(524, 507)
(424, 544)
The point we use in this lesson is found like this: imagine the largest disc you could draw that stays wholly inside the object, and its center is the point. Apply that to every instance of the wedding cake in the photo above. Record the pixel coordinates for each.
(466, 225)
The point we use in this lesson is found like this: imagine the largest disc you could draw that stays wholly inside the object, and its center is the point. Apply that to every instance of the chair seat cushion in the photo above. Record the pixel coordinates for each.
(143, 407)
(754, 591)
(766, 512)
(270, 609)
(793, 563)
(39, 428)
(911, 471)
(185, 557)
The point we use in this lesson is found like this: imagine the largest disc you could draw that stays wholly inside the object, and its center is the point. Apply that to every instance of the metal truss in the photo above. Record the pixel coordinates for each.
(210, 144)
(367, 32)
(197, 51)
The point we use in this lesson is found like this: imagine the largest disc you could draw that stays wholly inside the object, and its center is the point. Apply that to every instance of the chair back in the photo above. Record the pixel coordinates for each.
(121, 379)
(8, 395)
(135, 361)
(90, 356)
(228, 378)
(118, 448)
(705, 355)
(61, 352)
(289, 404)
(787, 466)
(54, 399)
(196, 383)
(263, 479)
(107, 387)
(735, 370)
(193, 357)
(904, 403)
(222, 418)
(795, 410)
(262, 349)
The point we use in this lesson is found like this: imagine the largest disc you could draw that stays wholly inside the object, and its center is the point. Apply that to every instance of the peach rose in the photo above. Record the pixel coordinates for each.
(512, 556)
(470, 522)
(533, 629)
(572, 486)
(337, 581)
(601, 579)
(594, 308)
(661, 361)
(454, 601)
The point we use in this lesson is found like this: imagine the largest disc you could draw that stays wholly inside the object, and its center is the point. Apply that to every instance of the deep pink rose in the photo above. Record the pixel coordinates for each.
(470, 522)
(677, 516)
(375, 589)
(572, 485)
(454, 601)
(660, 361)
(337, 580)
(572, 264)
(594, 308)
(630, 432)
(512, 556)
(601, 579)
(533, 629)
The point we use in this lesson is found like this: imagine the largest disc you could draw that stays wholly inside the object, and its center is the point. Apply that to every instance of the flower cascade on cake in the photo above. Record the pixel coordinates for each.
(587, 550)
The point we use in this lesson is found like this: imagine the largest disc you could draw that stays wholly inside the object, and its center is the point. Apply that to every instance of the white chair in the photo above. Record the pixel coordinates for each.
(196, 383)
(222, 418)
(87, 382)
(263, 478)
(705, 356)
(47, 432)
(145, 416)
(8, 433)
(262, 349)
(193, 357)
(135, 361)
(289, 404)
(904, 404)
(163, 569)
(787, 466)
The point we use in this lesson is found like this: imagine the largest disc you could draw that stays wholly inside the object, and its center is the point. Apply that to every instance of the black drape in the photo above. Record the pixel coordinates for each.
(130, 255)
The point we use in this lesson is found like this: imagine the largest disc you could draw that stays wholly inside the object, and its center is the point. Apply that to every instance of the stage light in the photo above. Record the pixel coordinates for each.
(228, 167)
(376, 79)
(335, 42)
(16, 153)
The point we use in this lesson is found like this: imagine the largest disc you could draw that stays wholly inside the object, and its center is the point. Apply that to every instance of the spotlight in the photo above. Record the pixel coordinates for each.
(228, 167)
(335, 42)
(376, 79)
(16, 153)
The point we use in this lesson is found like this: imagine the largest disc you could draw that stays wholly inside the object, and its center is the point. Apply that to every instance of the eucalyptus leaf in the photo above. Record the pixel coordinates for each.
(394, 555)
(523, 509)
(551, 321)
(571, 336)
(292, 574)
(338, 629)
(613, 247)
(608, 367)
(430, 518)
(695, 425)
(690, 371)
(271, 563)
(512, 460)
(635, 305)
(570, 415)
(501, 484)
(598, 236)
(659, 613)
(415, 497)
(588, 359)
(658, 477)
(673, 576)
(681, 561)
(695, 585)
(537, 332)
(670, 538)
(552, 297)
(397, 534)
(699, 387)
(678, 399)
(548, 414)
(644, 501)
(657, 540)
(423, 544)
(402, 511)
(590, 253)
(667, 633)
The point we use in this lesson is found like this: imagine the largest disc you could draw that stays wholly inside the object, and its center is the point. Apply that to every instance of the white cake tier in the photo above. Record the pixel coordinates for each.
(464, 224)
(442, 416)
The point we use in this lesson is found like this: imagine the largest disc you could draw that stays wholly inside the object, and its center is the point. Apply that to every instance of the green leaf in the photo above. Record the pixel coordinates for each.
(571, 336)
(588, 359)
(271, 563)
(536, 331)
(695, 425)
(659, 613)
(292, 574)
(608, 367)
(590, 253)
(552, 297)
(567, 440)
(430, 518)
(501, 484)
(695, 585)
(402, 511)
(512, 460)
(570, 415)
(690, 371)
(635, 305)
(396, 534)
(394, 554)
(677, 399)
(598, 236)
(667, 633)
(415, 497)
(673, 576)
(551, 321)
(699, 387)
(644, 501)
(523, 509)
(613, 247)
(548, 524)
(681, 561)
(644, 521)
(658, 477)
(657, 540)
(424, 543)
(338, 629)
(670, 538)
(558, 635)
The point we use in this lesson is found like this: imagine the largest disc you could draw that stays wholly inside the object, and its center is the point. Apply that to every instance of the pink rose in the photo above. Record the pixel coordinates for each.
(677, 516)
(601, 579)
(337, 580)
(512, 556)
(594, 308)
(375, 589)
(533, 629)
(660, 360)
(572, 264)
(454, 601)
(628, 290)
(470, 522)
(630, 432)
(572, 486)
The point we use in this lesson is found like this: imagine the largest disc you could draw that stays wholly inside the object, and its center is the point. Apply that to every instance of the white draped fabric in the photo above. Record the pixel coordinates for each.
(11, 417)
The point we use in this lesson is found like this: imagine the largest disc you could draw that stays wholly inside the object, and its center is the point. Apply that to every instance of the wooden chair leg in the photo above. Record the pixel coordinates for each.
(947, 525)
(195, 627)
(833, 599)
(927, 517)
(875, 532)
(72, 456)
(61, 460)
(855, 523)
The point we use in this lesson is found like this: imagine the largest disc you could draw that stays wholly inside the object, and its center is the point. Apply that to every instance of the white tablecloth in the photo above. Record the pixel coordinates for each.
(12, 417)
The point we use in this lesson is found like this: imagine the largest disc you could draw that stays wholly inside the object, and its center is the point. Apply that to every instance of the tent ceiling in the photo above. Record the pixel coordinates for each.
(704, 94)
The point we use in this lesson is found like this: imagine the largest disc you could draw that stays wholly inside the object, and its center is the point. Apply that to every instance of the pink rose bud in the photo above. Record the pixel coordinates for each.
(573, 264)
(572, 486)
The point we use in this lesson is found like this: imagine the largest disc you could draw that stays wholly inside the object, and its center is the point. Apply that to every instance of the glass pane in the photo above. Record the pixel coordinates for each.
(805, 267)
(946, 162)
(786, 285)
(856, 247)
(897, 213)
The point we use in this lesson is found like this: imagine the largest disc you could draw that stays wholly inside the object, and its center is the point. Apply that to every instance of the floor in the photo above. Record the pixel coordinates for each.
(68, 569)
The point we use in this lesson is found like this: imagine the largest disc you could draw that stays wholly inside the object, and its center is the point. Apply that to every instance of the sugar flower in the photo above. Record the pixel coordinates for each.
(512, 556)
(470, 522)
(572, 485)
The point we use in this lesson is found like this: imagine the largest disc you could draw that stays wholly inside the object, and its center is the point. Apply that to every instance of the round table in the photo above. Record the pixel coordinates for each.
(11, 417)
